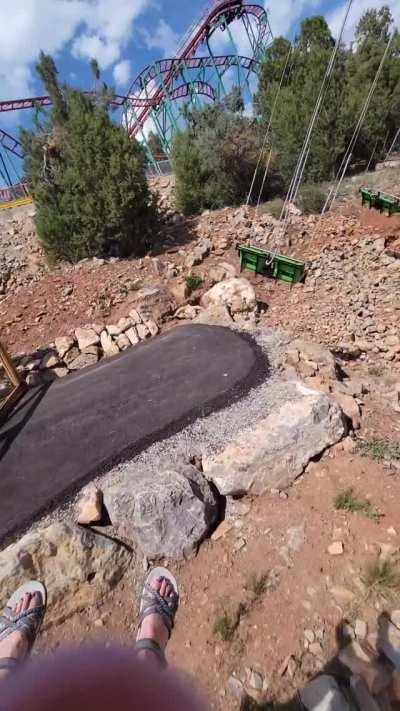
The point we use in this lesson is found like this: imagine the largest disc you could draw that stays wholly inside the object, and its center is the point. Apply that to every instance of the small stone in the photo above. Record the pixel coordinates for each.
(63, 345)
(336, 548)
(239, 544)
(99, 622)
(135, 317)
(142, 331)
(256, 680)
(310, 636)
(395, 618)
(316, 650)
(221, 530)
(109, 347)
(235, 686)
(152, 327)
(361, 629)
(90, 506)
(86, 337)
(50, 360)
(131, 334)
(113, 330)
(123, 342)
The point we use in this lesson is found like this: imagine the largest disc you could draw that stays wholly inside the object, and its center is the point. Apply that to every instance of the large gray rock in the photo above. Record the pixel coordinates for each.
(236, 294)
(168, 514)
(154, 302)
(76, 565)
(276, 450)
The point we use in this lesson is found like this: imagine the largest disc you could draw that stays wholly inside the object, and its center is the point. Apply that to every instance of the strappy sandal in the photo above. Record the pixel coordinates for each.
(28, 623)
(154, 603)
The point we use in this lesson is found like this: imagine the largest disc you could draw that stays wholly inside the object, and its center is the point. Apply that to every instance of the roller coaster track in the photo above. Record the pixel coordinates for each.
(162, 88)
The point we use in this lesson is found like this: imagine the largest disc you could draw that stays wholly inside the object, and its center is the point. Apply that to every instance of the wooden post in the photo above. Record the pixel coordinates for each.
(19, 387)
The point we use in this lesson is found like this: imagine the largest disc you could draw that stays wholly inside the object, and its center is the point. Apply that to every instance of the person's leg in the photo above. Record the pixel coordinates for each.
(157, 621)
(14, 648)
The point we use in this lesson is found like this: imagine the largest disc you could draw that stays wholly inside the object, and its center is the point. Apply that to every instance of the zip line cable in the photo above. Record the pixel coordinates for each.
(392, 145)
(333, 193)
(301, 164)
(268, 127)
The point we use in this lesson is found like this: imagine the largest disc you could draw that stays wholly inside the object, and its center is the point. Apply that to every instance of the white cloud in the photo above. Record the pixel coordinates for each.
(163, 37)
(335, 17)
(285, 14)
(122, 72)
(97, 28)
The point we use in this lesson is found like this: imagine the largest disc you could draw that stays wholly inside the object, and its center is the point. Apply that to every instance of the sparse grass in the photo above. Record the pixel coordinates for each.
(346, 500)
(258, 584)
(382, 577)
(378, 449)
(226, 625)
(248, 704)
(193, 282)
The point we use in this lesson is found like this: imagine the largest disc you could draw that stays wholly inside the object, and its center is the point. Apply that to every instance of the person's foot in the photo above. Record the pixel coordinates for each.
(15, 646)
(153, 626)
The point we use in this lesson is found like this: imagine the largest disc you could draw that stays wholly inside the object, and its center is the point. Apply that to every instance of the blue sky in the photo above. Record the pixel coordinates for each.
(124, 36)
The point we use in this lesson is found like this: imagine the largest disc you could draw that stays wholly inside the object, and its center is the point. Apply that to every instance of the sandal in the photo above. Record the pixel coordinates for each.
(154, 603)
(28, 623)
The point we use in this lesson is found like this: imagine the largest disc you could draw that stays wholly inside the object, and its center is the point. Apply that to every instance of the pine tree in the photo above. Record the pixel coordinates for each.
(86, 175)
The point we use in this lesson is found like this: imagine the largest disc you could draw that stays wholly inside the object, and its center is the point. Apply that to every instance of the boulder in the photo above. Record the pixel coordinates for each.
(168, 514)
(63, 345)
(132, 336)
(236, 294)
(86, 337)
(214, 316)
(123, 342)
(349, 406)
(154, 303)
(221, 271)
(76, 565)
(276, 450)
(109, 347)
(188, 312)
(314, 355)
(71, 355)
(83, 360)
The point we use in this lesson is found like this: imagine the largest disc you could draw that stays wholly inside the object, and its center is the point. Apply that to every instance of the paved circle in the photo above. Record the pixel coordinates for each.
(59, 437)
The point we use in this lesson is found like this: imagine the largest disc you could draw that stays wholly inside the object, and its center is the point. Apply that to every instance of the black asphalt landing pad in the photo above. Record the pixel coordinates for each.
(61, 436)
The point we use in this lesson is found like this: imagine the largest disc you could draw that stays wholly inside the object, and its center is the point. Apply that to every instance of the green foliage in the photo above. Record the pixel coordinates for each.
(86, 175)
(348, 88)
(273, 207)
(347, 501)
(193, 282)
(382, 577)
(311, 199)
(379, 449)
(215, 157)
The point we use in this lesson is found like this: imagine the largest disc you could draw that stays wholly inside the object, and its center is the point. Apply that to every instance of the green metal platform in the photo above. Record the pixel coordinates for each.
(275, 266)
(380, 201)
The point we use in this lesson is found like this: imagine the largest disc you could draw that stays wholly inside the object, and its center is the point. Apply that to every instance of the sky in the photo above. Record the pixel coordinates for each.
(124, 36)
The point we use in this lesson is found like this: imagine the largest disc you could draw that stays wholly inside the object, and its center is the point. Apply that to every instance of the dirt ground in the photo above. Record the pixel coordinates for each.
(306, 588)
(270, 578)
